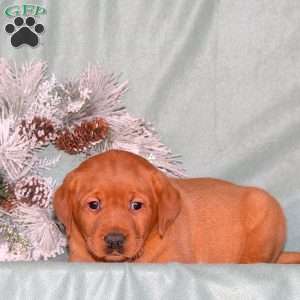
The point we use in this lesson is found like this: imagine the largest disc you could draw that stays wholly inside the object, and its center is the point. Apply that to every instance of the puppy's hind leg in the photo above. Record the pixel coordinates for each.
(265, 226)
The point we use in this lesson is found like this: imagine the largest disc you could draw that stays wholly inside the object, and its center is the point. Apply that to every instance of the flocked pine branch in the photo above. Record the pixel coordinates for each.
(97, 94)
(40, 165)
(26, 92)
(15, 151)
(8, 86)
(139, 137)
(46, 103)
(37, 225)
(18, 87)
(9, 233)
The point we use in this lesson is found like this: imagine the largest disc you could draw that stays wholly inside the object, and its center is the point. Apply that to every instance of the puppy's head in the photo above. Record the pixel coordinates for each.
(114, 200)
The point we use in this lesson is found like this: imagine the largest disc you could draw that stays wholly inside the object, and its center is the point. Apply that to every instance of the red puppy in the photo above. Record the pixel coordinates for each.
(116, 207)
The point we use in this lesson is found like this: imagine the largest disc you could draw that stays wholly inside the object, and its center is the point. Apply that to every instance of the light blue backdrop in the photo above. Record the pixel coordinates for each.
(219, 79)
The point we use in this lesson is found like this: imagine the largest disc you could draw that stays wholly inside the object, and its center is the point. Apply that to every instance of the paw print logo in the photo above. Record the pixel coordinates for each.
(24, 32)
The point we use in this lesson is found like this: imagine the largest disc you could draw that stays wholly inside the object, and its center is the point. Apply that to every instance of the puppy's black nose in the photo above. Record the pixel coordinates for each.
(114, 240)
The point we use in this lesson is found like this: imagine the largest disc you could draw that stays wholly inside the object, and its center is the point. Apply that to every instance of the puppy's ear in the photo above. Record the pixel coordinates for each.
(62, 204)
(168, 201)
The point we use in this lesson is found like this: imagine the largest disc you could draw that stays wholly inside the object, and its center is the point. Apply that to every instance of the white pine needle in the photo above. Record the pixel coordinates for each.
(15, 151)
(38, 227)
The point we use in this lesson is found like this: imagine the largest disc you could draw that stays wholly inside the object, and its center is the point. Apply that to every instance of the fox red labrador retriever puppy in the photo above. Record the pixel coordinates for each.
(117, 207)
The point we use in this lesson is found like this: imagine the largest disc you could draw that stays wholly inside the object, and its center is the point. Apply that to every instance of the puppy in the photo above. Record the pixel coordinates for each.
(118, 207)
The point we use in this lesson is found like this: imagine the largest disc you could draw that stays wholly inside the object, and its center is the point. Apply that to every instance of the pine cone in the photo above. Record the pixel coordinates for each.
(82, 137)
(40, 129)
(33, 190)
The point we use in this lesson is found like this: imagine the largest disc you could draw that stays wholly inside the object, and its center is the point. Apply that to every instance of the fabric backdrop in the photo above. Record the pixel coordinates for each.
(219, 79)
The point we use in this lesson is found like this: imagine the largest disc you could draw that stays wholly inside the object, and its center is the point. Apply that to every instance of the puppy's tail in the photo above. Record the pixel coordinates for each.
(289, 258)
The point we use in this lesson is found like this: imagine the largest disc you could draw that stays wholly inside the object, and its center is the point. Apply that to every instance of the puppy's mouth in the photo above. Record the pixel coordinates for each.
(112, 257)
(115, 255)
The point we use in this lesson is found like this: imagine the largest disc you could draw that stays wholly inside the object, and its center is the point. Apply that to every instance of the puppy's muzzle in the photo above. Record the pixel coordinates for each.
(115, 242)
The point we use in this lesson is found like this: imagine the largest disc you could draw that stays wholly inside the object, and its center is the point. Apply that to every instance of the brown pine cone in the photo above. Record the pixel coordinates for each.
(40, 129)
(33, 190)
(82, 137)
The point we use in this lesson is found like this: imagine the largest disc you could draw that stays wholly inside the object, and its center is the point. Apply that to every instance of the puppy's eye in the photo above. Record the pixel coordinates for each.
(136, 205)
(94, 205)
